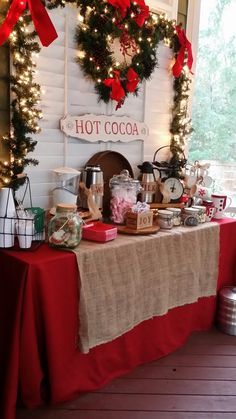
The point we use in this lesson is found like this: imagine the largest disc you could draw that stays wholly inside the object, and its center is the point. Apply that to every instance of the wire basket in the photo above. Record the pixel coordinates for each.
(171, 168)
(20, 228)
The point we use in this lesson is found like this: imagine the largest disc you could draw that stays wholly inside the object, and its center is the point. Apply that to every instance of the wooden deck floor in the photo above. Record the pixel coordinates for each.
(198, 381)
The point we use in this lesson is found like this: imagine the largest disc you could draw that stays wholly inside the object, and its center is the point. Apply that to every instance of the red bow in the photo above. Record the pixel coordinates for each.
(117, 91)
(185, 47)
(133, 80)
(121, 5)
(143, 14)
(42, 21)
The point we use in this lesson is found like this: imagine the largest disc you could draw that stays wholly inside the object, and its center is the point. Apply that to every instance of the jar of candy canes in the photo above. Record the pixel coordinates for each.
(64, 229)
(124, 191)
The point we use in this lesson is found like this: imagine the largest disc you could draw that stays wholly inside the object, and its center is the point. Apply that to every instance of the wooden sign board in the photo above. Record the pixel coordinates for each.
(103, 128)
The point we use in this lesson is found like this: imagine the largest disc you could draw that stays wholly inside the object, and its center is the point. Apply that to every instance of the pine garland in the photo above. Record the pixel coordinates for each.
(24, 112)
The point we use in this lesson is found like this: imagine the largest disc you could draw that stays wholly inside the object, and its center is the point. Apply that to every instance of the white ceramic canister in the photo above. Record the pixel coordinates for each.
(176, 215)
(190, 217)
(201, 212)
(165, 219)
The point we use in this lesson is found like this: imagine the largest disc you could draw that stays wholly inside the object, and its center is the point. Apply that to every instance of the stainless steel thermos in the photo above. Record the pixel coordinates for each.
(92, 177)
(148, 181)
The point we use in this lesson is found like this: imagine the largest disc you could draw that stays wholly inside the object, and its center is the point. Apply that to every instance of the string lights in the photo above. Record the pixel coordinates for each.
(181, 126)
(25, 97)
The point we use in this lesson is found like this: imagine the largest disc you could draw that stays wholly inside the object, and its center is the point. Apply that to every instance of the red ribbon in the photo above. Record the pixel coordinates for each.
(121, 5)
(117, 91)
(133, 80)
(143, 14)
(42, 22)
(124, 5)
(185, 47)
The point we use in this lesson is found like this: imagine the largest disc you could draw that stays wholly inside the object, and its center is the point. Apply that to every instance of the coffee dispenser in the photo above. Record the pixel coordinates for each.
(148, 181)
(92, 178)
(66, 191)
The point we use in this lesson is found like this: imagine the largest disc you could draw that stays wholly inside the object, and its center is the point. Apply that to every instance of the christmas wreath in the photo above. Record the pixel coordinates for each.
(131, 33)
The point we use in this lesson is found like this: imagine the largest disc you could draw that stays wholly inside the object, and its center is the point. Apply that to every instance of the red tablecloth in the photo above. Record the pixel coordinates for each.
(38, 327)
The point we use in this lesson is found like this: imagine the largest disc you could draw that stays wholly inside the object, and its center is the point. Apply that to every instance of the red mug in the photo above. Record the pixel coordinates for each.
(220, 201)
(210, 209)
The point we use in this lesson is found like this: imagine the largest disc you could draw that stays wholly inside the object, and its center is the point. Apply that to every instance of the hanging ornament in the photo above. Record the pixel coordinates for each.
(128, 45)
(42, 22)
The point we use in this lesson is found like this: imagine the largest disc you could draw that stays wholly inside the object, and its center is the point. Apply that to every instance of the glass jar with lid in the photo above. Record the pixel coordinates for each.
(65, 228)
(190, 217)
(124, 191)
(176, 215)
(165, 219)
(201, 213)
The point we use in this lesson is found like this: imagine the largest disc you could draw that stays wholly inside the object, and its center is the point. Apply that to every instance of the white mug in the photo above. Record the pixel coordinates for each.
(190, 180)
(200, 191)
(220, 203)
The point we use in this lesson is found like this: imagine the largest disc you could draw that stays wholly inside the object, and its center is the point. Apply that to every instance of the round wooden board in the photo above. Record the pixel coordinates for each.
(111, 163)
(143, 231)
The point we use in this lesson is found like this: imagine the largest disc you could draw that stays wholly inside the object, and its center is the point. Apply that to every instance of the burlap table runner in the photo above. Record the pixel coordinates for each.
(133, 278)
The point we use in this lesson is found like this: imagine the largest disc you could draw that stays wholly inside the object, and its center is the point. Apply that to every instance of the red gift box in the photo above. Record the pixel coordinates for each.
(99, 232)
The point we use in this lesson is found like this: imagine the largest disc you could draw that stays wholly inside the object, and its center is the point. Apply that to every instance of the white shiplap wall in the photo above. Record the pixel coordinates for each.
(65, 90)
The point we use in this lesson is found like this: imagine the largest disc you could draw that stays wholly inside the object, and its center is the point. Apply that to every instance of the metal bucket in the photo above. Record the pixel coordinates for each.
(226, 314)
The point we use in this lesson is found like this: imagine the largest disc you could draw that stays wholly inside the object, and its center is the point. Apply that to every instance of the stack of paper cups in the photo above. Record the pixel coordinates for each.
(7, 232)
(7, 221)
(25, 232)
(7, 206)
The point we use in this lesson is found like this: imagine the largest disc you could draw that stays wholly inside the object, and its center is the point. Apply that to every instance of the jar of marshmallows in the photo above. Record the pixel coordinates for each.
(124, 190)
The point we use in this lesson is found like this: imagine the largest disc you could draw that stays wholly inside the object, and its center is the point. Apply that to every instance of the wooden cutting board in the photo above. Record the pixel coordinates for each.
(111, 163)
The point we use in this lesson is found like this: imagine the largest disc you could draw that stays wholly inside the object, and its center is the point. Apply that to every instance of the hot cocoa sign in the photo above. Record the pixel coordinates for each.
(103, 128)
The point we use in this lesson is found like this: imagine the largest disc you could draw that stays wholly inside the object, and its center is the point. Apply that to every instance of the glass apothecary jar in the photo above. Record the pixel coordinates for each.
(65, 228)
(190, 217)
(176, 215)
(165, 219)
(201, 213)
(124, 190)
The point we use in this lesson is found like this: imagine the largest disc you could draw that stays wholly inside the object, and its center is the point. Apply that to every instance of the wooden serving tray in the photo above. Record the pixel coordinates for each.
(142, 231)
